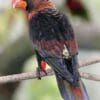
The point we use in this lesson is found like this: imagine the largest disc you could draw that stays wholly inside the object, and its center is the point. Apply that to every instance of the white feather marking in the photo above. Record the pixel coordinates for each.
(66, 52)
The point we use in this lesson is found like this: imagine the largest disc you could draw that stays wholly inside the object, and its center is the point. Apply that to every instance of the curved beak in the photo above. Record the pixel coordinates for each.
(19, 4)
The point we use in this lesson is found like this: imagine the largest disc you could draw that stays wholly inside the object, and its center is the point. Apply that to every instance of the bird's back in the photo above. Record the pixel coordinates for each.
(51, 30)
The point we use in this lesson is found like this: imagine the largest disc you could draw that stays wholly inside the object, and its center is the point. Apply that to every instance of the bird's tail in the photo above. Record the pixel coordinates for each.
(70, 92)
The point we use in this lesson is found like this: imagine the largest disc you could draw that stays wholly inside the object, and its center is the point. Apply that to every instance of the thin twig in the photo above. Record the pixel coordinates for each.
(33, 75)
(24, 76)
(89, 62)
(89, 76)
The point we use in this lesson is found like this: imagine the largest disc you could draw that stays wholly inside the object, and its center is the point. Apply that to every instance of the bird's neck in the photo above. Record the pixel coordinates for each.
(41, 7)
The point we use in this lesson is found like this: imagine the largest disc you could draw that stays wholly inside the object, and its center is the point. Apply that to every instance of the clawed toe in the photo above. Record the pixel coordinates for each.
(39, 70)
(44, 72)
(38, 73)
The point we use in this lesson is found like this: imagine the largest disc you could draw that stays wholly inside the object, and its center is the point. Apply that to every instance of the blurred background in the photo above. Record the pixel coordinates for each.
(17, 54)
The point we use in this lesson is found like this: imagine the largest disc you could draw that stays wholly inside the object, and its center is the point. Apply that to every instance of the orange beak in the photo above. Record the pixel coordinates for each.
(19, 4)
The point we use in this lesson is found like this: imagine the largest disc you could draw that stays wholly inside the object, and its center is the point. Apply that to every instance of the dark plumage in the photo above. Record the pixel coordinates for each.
(30, 6)
(50, 30)
(54, 41)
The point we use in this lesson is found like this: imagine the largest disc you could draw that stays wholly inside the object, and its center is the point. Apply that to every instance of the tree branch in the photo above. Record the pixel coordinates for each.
(33, 75)
(89, 62)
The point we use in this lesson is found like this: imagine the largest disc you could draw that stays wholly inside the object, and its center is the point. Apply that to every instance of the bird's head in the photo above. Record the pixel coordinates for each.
(30, 5)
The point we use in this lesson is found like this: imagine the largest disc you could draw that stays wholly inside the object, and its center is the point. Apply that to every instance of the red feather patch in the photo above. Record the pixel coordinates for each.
(77, 92)
(43, 65)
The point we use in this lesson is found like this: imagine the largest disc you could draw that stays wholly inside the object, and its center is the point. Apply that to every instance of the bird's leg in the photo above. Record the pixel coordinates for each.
(41, 66)
(38, 73)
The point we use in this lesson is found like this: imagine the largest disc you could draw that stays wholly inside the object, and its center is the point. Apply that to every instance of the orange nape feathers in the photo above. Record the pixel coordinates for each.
(38, 5)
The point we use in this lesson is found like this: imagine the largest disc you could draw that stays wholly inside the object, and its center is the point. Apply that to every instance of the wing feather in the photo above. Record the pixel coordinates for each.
(50, 30)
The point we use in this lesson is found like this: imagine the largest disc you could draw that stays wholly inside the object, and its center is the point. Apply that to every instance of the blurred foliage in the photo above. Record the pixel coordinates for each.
(11, 60)
(44, 89)
(15, 51)
(77, 8)
(5, 17)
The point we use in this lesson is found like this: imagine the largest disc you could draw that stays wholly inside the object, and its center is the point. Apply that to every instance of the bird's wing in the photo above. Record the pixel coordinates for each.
(53, 37)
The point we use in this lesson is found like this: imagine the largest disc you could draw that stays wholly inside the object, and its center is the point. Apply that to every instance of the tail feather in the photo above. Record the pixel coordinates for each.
(68, 79)
(65, 93)
(70, 92)
(84, 91)
(77, 92)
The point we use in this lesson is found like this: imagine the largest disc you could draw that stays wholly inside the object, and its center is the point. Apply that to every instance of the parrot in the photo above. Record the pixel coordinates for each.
(55, 44)
(77, 8)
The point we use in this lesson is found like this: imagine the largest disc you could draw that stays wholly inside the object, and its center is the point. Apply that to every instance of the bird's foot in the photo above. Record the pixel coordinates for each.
(45, 72)
(39, 70)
